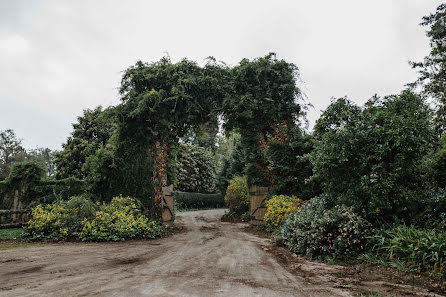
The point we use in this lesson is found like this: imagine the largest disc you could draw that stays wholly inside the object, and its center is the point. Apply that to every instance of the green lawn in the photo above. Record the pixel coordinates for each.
(12, 233)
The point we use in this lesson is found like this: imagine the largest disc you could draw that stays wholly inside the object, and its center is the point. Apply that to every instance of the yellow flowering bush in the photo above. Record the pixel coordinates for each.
(49, 222)
(79, 218)
(121, 219)
(278, 208)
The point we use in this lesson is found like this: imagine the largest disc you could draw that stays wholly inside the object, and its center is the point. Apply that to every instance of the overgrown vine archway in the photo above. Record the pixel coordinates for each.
(162, 101)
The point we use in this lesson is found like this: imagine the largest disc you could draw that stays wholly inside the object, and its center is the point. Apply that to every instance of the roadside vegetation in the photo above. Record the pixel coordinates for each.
(376, 187)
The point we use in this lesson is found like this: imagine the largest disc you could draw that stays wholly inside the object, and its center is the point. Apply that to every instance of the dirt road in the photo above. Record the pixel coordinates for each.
(211, 258)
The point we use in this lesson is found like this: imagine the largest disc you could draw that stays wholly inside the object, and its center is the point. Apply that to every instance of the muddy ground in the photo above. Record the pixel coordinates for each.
(208, 258)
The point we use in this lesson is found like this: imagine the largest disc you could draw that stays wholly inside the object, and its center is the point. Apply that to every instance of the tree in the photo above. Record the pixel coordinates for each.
(46, 158)
(92, 131)
(230, 159)
(195, 170)
(436, 164)
(373, 162)
(432, 69)
(290, 165)
(11, 151)
(263, 98)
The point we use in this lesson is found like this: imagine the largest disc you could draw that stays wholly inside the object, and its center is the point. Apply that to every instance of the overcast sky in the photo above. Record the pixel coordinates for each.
(58, 58)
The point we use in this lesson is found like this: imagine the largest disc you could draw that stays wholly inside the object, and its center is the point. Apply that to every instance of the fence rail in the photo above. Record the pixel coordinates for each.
(13, 218)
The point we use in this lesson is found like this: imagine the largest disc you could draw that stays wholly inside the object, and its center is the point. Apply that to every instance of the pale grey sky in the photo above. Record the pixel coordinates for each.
(59, 57)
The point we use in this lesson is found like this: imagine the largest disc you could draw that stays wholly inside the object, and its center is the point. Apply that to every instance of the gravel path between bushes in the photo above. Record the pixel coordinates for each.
(210, 258)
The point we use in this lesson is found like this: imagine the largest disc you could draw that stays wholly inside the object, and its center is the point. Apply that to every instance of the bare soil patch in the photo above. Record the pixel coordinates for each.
(361, 278)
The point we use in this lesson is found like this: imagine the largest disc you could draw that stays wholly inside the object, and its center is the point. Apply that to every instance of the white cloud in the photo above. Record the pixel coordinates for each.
(12, 45)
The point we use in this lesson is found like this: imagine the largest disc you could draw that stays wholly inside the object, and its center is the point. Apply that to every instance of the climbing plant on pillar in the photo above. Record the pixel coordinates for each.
(165, 100)
(264, 97)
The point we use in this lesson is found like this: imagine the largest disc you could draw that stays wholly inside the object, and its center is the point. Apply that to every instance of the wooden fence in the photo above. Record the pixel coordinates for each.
(258, 208)
(168, 214)
(13, 218)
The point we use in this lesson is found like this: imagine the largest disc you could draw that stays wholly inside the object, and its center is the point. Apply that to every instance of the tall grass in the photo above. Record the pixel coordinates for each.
(408, 248)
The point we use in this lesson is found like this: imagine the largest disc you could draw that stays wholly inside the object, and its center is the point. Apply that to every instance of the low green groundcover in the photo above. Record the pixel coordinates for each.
(11, 233)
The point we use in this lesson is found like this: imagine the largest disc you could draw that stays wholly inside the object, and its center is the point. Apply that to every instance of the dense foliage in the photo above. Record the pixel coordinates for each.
(60, 220)
(237, 196)
(432, 69)
(79, 218)
(263, 100)
(278, 208)
(290, 165)
(162, 102)
(92, 131)
(370, 157)
(195, 170)
(11, 151)
(319, 232)
(119, 220)
(232, 160)
(187, 200)
(26, 186)
(436, 164)
(409, 248)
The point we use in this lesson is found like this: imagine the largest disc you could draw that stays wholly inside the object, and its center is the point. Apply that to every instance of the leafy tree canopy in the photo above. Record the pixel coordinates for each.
(92, 131)
(161, 103)
(372, 163)
(432, 69)
(263, 98)
(11, 151)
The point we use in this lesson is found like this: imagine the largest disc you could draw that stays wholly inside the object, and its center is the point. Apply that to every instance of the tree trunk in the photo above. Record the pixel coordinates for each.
(159, 178)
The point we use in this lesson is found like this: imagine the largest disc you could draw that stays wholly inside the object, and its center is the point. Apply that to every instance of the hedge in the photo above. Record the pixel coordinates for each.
(188, 200)
(26, 179)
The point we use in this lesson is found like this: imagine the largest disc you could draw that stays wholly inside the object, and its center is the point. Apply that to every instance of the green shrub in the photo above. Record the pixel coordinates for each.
(80, 208)
(318, 232)
(185, 200)
(237, 196)
(61, 220)
(278, 209)
(79, 218)
(369, 158)
(119, 220)
(418, 250)
(50, 221)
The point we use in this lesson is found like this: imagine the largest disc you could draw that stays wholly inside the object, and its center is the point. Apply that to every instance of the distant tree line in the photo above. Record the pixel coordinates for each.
(12, 151)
